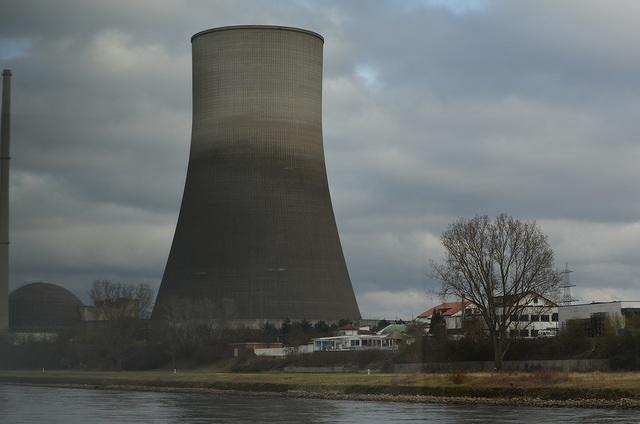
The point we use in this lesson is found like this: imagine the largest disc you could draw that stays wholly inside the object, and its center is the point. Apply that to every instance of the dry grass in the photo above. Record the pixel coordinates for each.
(458, 377)
(521, 379)
(629, 381)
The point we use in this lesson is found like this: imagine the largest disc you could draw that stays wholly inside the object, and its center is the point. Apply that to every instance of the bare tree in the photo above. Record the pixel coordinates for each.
(184, 325)
(498, 265)
(121, 300)
(118, 310)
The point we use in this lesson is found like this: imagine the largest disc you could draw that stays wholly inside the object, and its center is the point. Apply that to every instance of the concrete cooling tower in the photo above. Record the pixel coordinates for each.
(256, 235)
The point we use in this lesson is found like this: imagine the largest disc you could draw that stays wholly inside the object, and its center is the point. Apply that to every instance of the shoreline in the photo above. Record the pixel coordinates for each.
(324, 394)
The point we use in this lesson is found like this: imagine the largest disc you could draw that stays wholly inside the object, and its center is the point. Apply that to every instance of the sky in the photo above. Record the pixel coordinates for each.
(432, 110)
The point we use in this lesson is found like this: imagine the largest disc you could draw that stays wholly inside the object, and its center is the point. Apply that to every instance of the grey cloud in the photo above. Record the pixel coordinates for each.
(524, 107)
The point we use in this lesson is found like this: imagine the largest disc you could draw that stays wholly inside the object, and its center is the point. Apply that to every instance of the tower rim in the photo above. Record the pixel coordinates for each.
(273, 27)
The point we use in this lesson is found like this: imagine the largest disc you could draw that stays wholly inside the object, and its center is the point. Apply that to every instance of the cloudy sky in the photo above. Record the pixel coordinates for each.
(433, 110)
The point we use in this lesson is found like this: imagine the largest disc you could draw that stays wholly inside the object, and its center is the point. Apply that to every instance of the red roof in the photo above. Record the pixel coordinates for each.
(446, 309)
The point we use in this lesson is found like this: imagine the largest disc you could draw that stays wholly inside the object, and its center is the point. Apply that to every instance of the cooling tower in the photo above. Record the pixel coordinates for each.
(256, 235)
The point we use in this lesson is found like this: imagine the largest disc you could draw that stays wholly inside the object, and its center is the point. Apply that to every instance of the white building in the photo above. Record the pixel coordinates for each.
(355, 342)
(537, 315)
(351, 338)
(594, 315)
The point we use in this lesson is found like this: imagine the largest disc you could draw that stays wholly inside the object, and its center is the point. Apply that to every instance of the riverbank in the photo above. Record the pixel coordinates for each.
(592, 390)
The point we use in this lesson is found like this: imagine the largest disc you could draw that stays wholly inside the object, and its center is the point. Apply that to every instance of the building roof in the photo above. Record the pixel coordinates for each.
(348, 327)
(499, 300)
(396, 335)
(355, 336)
(393, 328)
(43, 307)
(445, 309)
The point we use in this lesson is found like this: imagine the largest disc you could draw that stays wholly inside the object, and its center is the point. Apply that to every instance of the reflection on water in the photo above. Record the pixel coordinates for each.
(29, 404)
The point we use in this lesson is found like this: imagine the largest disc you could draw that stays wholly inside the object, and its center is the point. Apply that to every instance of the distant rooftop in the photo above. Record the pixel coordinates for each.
(445, 309)
(393, 328)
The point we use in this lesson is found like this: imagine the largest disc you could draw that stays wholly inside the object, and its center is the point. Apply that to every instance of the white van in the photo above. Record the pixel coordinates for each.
(547, 333)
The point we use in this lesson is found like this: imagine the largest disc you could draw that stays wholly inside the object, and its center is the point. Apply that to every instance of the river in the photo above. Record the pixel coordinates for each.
(32, 404)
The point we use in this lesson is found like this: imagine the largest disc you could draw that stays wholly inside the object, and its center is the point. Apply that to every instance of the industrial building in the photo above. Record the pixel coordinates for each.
(256, 234)
(594, 316)
(41, 310)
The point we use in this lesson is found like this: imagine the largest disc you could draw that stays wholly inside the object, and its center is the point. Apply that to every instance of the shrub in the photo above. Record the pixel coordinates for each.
(546, 377)
(458, 377)
(258, 364)
(573, 338)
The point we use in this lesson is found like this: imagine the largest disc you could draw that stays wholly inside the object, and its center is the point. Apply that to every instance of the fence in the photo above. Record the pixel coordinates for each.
(559, 365)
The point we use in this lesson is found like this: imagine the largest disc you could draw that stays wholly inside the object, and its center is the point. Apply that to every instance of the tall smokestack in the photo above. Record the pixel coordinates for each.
(256, 234)
(4, 201)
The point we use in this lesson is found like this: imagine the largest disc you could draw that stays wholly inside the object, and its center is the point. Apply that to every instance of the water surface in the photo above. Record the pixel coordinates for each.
(32, 404)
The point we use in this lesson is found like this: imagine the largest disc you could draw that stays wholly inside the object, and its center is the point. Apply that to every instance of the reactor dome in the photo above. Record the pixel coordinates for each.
(42, 307)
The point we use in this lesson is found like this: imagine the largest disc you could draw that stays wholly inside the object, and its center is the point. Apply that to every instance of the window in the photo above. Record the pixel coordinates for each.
(535, 300)
(534, 333)
(554, 317)
(535, 318)
(544, 317)
(524, 318)
(524, 333)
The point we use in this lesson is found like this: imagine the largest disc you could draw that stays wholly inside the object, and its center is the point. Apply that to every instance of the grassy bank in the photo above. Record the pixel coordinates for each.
(544, 388)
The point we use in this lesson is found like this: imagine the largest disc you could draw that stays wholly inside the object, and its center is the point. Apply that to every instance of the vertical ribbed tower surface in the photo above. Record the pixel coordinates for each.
(256, 233)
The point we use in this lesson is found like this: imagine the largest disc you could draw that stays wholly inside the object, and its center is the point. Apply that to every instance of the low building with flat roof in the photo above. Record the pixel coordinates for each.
(594, 315)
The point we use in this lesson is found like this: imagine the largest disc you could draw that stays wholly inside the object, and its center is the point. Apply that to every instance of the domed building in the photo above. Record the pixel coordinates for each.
(43, 308)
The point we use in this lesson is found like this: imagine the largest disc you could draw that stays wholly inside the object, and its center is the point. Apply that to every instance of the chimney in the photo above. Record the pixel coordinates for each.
(4, 201)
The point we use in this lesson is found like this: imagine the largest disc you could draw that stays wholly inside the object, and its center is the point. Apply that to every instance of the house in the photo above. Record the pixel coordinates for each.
(453, 313)
(539, 313)
(351, 338)
(257, 348)
(350, 330)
